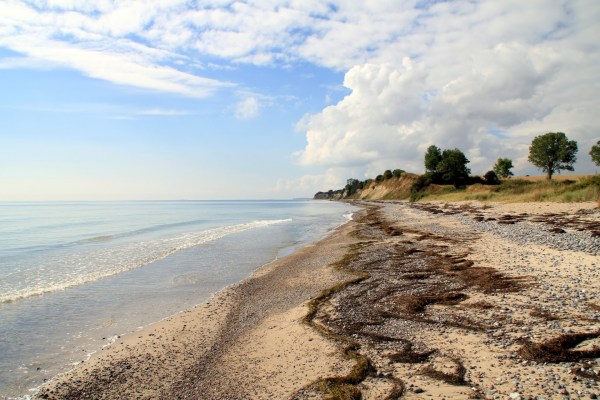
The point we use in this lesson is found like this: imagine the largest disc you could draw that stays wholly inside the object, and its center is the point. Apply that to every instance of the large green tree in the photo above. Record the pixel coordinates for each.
(433, 157)
(595, 153)
(553, 152)
(453, 167)
(503, 167)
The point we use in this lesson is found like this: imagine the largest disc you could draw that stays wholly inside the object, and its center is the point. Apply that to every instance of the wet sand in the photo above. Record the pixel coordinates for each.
(413, 300)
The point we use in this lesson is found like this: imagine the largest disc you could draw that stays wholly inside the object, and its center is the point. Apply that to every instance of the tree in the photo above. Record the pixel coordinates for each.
(595, 153)
(433, 157)
(503, 167)
(387, 174)
(453, 167)
(553, 152)
(352, 185)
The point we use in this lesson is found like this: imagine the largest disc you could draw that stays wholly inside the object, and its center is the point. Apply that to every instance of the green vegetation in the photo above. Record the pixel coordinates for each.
(552, 153)
(521, 190)
(503, 167)
(453, 167)
(491, 178)
(352, 185)
(447, 178)
(397, 173)
(448, 166)
(433, 157)
(595, 153)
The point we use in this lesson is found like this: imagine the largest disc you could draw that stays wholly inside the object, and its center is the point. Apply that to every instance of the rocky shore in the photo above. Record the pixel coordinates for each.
(421, 300)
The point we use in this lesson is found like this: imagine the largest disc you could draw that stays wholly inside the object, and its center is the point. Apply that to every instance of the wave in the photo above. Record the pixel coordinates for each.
(78, 268)
(106, 238)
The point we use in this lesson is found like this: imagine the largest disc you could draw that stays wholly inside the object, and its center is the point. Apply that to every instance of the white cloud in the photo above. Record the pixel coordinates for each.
(97, 41)
(247, 108)
(521, 68)
(375, 123)
(419, 72)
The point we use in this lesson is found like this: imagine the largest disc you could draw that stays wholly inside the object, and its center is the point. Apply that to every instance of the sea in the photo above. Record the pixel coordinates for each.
(76, 275)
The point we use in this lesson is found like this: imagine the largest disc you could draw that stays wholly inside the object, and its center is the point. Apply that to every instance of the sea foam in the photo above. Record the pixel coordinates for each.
(68, 269)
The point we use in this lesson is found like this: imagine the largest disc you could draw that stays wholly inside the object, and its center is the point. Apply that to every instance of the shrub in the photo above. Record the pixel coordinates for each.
(421, 183)
(491, 178)
(397, 173)
(475, 179)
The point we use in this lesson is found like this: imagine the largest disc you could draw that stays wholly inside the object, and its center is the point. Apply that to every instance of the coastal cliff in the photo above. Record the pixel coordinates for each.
(395, 187)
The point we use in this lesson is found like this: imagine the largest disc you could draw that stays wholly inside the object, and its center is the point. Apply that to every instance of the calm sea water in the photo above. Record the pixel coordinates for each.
(75, 275)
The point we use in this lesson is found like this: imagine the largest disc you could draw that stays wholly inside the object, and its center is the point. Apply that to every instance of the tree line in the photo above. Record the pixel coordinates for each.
(551, 152)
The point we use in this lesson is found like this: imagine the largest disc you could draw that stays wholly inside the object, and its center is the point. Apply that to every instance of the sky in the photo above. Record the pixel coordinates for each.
(274, 99)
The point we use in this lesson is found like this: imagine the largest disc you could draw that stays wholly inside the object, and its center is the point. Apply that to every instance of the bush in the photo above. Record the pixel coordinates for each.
(421, 183)
(475, 179)
(491, 178)
(398, 173)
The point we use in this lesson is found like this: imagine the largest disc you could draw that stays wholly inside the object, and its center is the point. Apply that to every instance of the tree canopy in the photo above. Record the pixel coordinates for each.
(453, 167)
(433, 157)
(595, 153)
(553, 152)
(503, 167)
(352, 185)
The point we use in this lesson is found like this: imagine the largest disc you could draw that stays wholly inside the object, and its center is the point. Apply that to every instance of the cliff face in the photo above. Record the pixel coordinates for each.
(389, 189)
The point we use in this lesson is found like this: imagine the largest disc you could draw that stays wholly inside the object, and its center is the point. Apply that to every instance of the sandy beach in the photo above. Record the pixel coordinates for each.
(421, 300)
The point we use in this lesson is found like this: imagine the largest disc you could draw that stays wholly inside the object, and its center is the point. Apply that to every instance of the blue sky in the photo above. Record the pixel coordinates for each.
(218, 99)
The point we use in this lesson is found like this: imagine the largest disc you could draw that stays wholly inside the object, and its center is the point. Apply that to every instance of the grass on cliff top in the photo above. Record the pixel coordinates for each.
(564, 189)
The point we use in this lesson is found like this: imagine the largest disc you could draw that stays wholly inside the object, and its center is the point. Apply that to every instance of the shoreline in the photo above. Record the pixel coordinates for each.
(205, 329)
(59, 334)
(428, 319)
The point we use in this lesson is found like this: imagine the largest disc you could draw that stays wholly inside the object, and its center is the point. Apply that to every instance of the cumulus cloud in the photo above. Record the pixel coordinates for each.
(374, 123)
(483, 78)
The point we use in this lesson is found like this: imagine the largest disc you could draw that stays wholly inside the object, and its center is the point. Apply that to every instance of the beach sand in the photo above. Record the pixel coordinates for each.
(448, 301)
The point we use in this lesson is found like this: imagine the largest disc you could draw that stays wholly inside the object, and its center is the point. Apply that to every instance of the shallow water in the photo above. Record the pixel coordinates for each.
(76, 275)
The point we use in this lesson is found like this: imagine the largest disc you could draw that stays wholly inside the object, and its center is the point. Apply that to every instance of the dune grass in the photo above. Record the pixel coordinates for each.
(581, 188)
